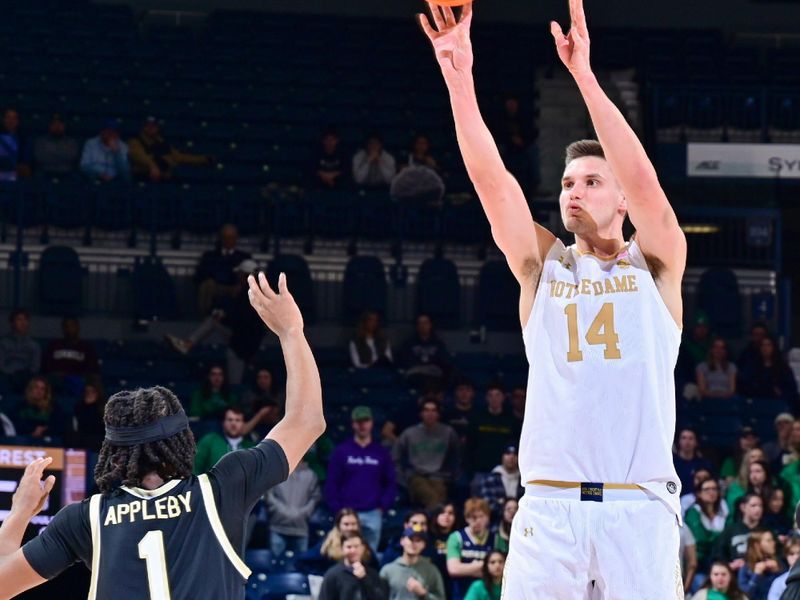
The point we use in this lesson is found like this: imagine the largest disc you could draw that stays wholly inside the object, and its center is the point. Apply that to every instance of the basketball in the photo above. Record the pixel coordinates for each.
(450, 3)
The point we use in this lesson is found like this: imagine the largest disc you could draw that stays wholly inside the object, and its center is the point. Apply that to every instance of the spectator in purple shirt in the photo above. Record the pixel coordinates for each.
(361, 475)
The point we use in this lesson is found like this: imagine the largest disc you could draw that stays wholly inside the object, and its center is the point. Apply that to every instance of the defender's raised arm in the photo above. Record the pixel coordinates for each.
(523, 242)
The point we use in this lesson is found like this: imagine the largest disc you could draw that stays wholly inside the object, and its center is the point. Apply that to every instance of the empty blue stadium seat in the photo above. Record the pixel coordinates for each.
(439, 292)
(364, 287)
(298, 280)
(60, 281)
(153, 290)
(260, 561)
(498, 297)
(719, 296)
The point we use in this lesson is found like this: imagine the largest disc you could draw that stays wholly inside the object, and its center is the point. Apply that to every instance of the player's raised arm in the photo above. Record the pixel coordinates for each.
(524, 243)
(16, 575)
(658, 232)
(303, 421)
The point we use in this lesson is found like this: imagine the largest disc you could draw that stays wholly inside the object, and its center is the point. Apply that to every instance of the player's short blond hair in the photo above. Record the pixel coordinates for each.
(583, 148)
(475, 505)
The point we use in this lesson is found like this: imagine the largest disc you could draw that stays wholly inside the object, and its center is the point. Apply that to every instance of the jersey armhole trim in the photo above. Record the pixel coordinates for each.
(557, 247)
(94, 523)
(218, 529)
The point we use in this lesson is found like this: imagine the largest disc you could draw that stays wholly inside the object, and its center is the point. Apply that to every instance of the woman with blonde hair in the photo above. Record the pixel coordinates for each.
(738, 486)
(762, 565)
(346, 520)
(38, 417)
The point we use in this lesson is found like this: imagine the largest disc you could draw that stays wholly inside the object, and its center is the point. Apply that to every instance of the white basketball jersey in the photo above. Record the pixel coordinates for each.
(602, 349)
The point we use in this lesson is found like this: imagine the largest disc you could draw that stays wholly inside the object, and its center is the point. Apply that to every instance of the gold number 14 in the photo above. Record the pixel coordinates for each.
(601, 332)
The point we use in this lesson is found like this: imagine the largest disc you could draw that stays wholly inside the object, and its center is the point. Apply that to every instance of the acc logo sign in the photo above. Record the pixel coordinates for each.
(708, 165)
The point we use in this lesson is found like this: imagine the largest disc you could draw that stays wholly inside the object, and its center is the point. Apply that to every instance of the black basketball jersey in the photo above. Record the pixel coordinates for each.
(181, 541)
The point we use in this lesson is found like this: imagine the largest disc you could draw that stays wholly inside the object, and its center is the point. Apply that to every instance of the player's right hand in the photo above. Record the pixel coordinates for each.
(450, 38)
(32, 492)
(279, 311)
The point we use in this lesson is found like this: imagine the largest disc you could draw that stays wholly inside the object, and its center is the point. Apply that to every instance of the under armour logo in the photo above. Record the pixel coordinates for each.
(527, 532)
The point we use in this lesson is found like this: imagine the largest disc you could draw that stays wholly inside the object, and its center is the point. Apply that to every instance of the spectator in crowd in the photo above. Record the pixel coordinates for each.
(687, 551)
(688, 458)
(370, 347)
(761, 566)
(730, 466)
(694, 349)
(444, 521)
(13, 148)
(373, 166)
(263, 394)
(754, 477)
(716, 376)
(707, 519)
(420, 154)
(154, 158)
(518, 396)
(329, 551)
(460, 413)
(793, 455)
(290, 506)
(490, 433)
(490, 585)
(503, 482)
(419, 178)
(234, 436)
(411, 576)
(771, 376)
(361, 475)
(39, 417)
(352, 578)
(213, 397)
(688, 500)
(20, 354)
(216, 274)
(721, 585)
(88, 427)
(416, 519)
(70, 359)
(791, 552)
(790, 475)
(502, 532)
(731, 545)
(56, 154)
(105, 156)
(235, 321)
(319, 455)
(515, 134)
(775, 449)
(427, 457)
(776, 516)
(751, 355)
(330, 166)
(424, 356)
(468, 547)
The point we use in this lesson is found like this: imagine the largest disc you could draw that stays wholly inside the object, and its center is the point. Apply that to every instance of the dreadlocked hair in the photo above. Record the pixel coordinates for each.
(171, 458)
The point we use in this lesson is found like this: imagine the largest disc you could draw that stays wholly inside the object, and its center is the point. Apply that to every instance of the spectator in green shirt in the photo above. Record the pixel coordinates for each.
(490, 585)
(503, 532)
(741, 484)
(214, 446)
(213, 397)
(721, 585)
(730, 466)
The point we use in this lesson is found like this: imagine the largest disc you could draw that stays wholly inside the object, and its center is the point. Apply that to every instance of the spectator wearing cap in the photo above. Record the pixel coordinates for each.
(411, 576)
(416, 519)
(55, 154)
(491, 431)
(20, 354)
(216, 274)
(427, 457)
(235, 321)
(781, 445)
(503, 481)
(153, 158)
(361, 475)
(373, 166)
(105, 156)
(716, 375)
(14, 151)
(730, 466)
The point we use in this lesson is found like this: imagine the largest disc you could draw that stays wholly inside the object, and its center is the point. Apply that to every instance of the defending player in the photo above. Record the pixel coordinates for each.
(157, 532)
(600, 321)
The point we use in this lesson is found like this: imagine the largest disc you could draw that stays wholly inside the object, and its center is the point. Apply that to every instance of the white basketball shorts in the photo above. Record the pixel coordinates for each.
(563, 548)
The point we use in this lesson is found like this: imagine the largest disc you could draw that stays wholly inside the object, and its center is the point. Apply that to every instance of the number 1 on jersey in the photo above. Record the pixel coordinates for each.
(151, 550)
(601, 332)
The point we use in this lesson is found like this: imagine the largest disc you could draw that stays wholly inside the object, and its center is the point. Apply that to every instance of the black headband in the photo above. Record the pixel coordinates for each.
(152, 432)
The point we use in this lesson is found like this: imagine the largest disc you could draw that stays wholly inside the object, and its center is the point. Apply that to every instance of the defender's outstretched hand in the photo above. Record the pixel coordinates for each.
(32, 492)
(450, 38)
(279, 311)
(573, 48)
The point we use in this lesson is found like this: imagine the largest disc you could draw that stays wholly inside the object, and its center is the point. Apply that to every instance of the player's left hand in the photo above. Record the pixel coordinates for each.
(279, 311)
(32, 492)
(573, 48)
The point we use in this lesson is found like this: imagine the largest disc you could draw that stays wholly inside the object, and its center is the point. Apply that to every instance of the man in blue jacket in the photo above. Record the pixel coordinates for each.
(361, 476)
